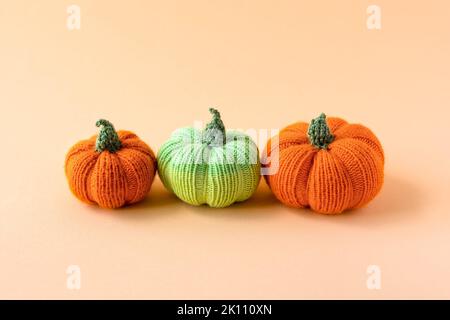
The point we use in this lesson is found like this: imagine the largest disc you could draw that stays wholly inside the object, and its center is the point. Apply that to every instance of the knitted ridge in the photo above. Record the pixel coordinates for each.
(346, 174)
(111, 179)
(200, 174)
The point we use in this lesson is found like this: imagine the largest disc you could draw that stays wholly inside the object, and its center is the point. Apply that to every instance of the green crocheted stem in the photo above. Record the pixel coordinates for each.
(214, 133)
(107, 138)
(319, 132)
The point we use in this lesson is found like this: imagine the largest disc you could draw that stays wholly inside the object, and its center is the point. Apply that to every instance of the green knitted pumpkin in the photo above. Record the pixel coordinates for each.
(210, 166)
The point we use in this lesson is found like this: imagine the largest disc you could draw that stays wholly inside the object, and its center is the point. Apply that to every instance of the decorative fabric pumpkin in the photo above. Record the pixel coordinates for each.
(211, 166)
(112, 169)
(330, 165)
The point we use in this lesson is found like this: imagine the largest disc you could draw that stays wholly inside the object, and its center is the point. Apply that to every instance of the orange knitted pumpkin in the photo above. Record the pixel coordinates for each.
(112, 169)
(329, 165)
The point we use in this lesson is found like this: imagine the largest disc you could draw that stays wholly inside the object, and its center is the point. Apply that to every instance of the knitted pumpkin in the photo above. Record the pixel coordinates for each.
(330, 165)
(112, 169)
(210, 166)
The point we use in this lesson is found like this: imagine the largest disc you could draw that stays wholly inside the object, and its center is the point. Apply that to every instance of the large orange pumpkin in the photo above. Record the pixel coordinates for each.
(328, 165)
(112, 169)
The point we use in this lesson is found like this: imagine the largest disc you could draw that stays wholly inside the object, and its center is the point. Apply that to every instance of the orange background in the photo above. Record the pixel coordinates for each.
(153, 66)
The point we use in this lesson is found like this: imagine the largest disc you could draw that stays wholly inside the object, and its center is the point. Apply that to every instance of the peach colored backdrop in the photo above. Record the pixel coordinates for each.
(153, 66)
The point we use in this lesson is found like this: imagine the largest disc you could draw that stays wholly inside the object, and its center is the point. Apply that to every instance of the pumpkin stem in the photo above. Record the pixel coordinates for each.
(107, 138)
(319, 132)
(214, 133)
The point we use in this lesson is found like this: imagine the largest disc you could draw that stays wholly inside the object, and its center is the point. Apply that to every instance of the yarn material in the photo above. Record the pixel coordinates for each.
(214, 133)
(347, 174)
(200, 173)
(319, 134)
(111, 179)
(107, 138)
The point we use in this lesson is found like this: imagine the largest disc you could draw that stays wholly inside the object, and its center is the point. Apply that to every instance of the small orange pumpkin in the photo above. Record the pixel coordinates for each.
(329, 165)
(112, 169)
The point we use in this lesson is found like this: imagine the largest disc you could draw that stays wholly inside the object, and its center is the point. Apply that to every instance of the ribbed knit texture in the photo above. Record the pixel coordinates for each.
(199, 173)
(346, 174)
(111, 179)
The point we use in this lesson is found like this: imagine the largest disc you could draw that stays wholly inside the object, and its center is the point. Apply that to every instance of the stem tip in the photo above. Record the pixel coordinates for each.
(319, 133)
(107, 138)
